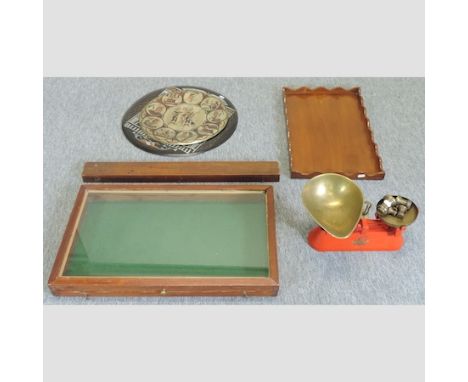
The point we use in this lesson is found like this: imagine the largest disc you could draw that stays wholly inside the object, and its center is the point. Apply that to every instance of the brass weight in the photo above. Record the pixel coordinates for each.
(396, 211)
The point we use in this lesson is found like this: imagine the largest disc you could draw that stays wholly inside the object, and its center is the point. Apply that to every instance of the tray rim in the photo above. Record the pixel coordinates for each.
(163, 285)
(356, 91)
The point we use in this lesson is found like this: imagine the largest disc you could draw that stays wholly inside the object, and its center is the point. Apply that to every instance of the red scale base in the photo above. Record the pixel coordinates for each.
(369, 235)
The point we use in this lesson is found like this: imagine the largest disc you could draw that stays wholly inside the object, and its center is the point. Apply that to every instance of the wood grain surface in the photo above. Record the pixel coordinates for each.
(221, 171)
(328, 131)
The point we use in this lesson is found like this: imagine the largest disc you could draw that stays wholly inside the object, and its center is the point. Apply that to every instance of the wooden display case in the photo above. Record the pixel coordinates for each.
(169, 240)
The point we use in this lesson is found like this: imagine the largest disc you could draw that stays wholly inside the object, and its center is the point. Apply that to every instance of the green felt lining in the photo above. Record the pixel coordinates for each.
(146, 237)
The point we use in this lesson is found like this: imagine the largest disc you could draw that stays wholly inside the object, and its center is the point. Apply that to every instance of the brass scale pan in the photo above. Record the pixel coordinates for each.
(336, 204)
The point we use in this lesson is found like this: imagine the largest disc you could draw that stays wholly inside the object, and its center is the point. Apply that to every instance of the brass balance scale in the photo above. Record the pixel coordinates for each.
(337, 205)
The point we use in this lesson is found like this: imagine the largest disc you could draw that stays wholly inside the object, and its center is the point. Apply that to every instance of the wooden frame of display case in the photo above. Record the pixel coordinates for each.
(163, 285)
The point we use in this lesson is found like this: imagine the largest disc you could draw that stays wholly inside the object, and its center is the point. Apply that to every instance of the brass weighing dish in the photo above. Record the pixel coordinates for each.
(396, 222)
(335, 203)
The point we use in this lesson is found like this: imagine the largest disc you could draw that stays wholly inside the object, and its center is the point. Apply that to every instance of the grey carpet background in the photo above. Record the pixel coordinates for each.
(82, 123)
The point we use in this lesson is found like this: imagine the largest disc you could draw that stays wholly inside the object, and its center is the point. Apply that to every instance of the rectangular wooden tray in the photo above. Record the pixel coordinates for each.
(222, 171)
(328, 131)
(169, 240)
